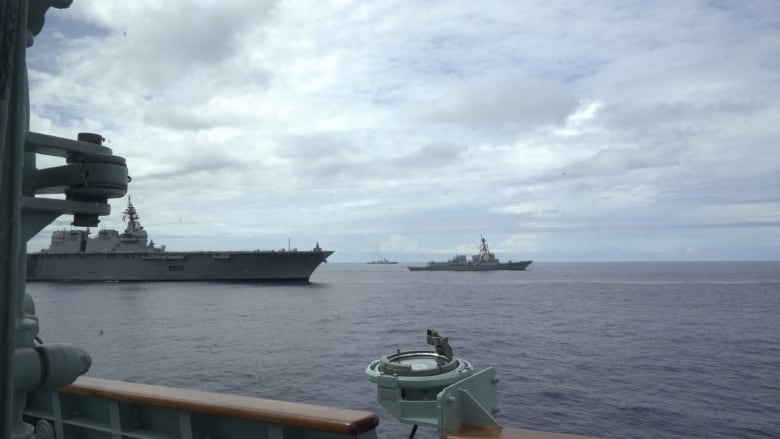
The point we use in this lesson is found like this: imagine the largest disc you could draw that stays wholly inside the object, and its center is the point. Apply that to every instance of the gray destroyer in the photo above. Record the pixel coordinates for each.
(382, 261)
(485, 260)
(130, 256)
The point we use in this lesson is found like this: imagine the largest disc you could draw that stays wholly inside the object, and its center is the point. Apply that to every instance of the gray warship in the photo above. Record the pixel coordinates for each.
(382, 261)
(485, 260)
(130, 256)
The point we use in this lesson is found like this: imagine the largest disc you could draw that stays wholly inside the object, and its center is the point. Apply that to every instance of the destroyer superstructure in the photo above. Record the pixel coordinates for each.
(130, 256)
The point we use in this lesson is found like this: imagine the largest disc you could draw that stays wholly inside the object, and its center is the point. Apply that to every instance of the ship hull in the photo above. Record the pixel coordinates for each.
(270, 266)
(515, 266)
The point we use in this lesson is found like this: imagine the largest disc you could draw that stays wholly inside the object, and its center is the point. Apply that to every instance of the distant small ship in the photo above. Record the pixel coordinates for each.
(382, 261)
(484, 261)
(129, 256)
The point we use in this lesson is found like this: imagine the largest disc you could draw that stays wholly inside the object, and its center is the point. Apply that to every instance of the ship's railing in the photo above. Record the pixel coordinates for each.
(474, 432)
(99, 408)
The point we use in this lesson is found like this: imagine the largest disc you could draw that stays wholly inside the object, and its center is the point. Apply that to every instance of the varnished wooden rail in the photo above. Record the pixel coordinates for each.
(288, 414)
(472, 432)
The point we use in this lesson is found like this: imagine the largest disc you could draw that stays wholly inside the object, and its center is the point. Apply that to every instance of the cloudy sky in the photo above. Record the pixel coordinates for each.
(559, 130)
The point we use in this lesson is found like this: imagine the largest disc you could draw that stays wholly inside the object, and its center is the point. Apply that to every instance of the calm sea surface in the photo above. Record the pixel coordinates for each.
(619, 350)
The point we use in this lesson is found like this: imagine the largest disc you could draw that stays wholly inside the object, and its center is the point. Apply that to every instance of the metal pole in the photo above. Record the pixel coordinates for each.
(13, 125)
(14, 120)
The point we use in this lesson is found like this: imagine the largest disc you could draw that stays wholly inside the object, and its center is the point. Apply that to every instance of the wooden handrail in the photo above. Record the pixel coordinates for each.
(473, 432)
(290, 414)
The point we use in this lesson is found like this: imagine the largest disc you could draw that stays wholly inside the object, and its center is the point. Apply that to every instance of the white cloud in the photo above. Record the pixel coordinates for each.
(400, 243)
(503, 105)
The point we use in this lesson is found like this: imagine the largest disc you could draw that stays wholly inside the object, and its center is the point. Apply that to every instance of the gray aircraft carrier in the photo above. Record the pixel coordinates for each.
(129, 256)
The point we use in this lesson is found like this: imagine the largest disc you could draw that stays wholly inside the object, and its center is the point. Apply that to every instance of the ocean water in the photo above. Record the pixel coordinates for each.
(617, 350)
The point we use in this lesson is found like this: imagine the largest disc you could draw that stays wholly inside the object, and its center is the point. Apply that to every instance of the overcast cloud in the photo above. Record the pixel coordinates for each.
(558, 129)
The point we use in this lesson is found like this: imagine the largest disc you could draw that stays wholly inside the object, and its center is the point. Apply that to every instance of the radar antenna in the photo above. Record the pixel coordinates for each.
(131, 215)
(484, 251)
